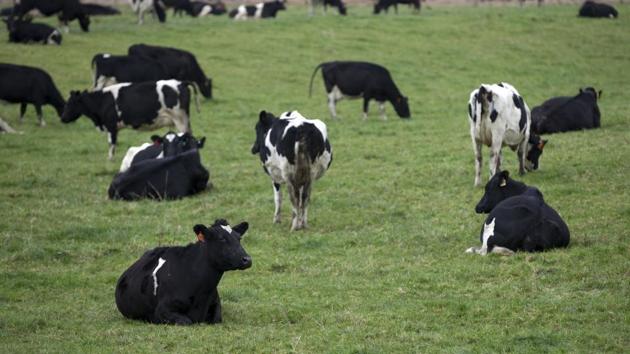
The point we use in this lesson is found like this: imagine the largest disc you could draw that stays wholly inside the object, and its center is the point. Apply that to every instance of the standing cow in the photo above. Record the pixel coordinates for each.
(562, 114)
(260, 10)
(68, 10)
(356, 79)
(341, 7)
(296, 151)
(383, 5)
(112, 69)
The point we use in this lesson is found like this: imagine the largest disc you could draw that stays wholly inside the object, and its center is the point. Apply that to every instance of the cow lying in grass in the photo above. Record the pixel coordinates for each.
(562, 114)
(21, 31)
(261, 10)
(169, 145)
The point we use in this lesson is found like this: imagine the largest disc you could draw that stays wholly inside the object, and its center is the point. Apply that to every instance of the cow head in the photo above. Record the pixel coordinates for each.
(534, 150)
(206, 87)
(84, 22)
(499, 188)
(73, 108)
(401, 106)
(377, 8)
(223, 245)
(591, 91)
(174, 144)
(265, 120)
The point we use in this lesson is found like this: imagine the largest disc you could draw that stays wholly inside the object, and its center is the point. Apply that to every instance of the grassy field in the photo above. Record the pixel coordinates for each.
(382, 267)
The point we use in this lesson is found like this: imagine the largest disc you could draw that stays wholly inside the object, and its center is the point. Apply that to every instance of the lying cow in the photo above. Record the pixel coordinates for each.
(68, 10)
(384, 5)
(112, 69)
(145, 105)
(169, 145)
(499, 116)
(179, 64)
(200, 8)
(260, 10)
(28, 85)
(296, 151)
(356, 79)
(26, 32)
(562, 114)
(178, 285)
(154, 6)
(593, 9)
(519, 219)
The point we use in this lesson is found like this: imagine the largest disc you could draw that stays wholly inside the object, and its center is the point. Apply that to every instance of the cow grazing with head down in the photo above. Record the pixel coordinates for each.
(28, 85)
(296, 151)
(519, 219)
(260, 10)
(68, 10)
(499, 116)
(112, 69)
(341, 7)
(178, 285)
(562, 114)
(384, 5)
(170, 144)
(155, 6)
(356, 79)
(597, 10)
(21, 31)
(145, 105)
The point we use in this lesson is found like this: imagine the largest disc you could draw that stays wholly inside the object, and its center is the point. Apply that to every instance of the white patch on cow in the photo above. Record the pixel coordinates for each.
(488, 231)
(160, 156)
(296, 119)
(169, 116)
(161, 262)
(205, 10)
(106, 55)
(259, 8)
(241, 13)
(114, 90)
(502, 251)
(50, 39)
(131, 153)
(227, 228)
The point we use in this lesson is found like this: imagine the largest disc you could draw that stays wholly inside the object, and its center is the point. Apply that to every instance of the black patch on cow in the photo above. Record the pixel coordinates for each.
(501, 85)
(493, 115)
(470, 114)
(170, 96)
(251, 10)
(135, 114)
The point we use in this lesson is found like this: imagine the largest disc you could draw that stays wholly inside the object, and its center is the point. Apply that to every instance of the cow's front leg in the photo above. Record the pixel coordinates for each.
(332, 102)
(366, 103)
(171, 312)
(214, 310)
(277, 198)
(40, 117)
(381, 110)
(111, 138)
(478, 160)
(22, 111)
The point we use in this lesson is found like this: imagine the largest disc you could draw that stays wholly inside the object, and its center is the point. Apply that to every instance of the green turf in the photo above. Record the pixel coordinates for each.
(382, 267)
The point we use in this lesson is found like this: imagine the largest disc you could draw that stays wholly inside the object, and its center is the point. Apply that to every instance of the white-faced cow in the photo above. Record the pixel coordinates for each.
(146, 105)
(170, 144)
(28, 85)
(154, 6)
(355, 79)
(384, 5)
(519, 219)
(112, 69)
(178, 285)
(562, 114)
(593, 9)
(499, 116)
(260, 10)
(68, 10)
(21, 31)
(296, 151)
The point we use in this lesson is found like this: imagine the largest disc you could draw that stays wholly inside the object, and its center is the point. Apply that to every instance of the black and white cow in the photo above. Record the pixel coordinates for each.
(261, 10)
(593, 9)
(154, 6)
(99, 10)
(178, 285)
(68, 10)
(562, 114)
(179, 64)
(354, 79)
(499, 116)
(170, 144)
(296, 151)
(341, 7)
(519, 219)
(112, 69)
(383, 5)
(28, 85)
(21, 31)
(200, 8)
(145, 105)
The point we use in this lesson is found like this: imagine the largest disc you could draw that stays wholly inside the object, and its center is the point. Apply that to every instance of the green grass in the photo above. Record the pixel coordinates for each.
(381, 268)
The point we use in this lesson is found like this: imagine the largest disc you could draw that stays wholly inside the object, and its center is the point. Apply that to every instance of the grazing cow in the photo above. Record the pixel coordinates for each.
(341, 7)
(296, 151)
(593, 9)
(21, 31)
(519, 219)
(200, 8)
(499, 116)
(355, 79)
(178, 285)
(25, 84)
(99, 10)
(260, 10)
(112, 69)
(145, 105)
(562, 114)
(142, 6)
(68, 10)
(179, 64)
(170, 144)
(383, 5)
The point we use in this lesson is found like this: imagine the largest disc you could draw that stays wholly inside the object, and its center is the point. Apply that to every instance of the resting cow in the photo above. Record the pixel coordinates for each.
(593, 9)
(296, 151)
(383, 5)
(26, 32)
(518, 220)
(68, 10)
(112, 69)
(562, 114)
(169, 145)
(178, 285)
(200, 8)
(356, 79)
(260, 10)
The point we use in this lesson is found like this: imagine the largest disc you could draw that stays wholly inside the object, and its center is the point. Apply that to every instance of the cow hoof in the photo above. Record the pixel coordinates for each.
(42, 124)
(276, 220)
(470, 250)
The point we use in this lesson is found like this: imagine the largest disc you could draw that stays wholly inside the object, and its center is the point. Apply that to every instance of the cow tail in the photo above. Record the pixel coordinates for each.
(302, 164)
(195, 92)
(310, 86)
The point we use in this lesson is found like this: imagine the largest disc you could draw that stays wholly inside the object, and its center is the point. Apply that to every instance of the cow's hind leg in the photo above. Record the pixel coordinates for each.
(521, 156)
(277, 198)
(304, 198)
(381, 110)
(170, 313)
(332, 103)
(495, 155)
(478, 160)
(22, 111)
(294, 194)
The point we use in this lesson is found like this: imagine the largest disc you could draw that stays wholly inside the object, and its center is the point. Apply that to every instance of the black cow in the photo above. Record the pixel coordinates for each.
(112, 69)
(562, 114)
(25, 84)
(99, 10)
(519, 219)
(21, 31)
(383, 5)
(68, 10)
(355, 79)
(593, 9)
(145, 105)
(170, 144)
(341, 7)
(178, 285)
(179, 64)
(200, 8)
(260, 10)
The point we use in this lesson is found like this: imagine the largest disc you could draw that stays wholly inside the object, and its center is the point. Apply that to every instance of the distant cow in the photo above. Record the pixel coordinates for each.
(179, 64)
(68, 10)
(499, 116)
(355, 79)
(383, 5)
(341, 7)
(200, 8)
(28, 85)
(169, 145)
(593, 9)
(260, 10)
(99, 10)
(178, 285)
(562, 114)
(21, 31)
(296, 151)
(145, 105)
(142, 6)
(112, 69)
(519, 219)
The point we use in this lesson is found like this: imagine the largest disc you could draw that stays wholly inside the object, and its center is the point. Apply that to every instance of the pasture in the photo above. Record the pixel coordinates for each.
(382, 266)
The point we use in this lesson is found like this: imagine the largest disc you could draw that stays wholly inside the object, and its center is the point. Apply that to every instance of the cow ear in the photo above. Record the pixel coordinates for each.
(156, 139)
(265, 118)
(241, 228)
(200, 231)
(201, 142)
(504, 178)
(542, 144)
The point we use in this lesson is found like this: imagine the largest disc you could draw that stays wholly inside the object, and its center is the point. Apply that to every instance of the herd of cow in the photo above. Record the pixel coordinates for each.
(152, 87)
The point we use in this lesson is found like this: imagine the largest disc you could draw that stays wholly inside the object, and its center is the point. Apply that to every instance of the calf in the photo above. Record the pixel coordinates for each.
(170, 145)
(294, 150)
(142, 6)
(593, 9)
(179, 64)
(499, 116)
(356, 79)
(68, 10)
(562, 114)
(25, 32)
(145, 105)
(28, 85)
(383, 5)
(260, 10)
(519, 219)
(112, 69)
(178, 285)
